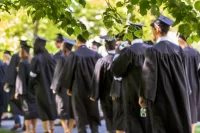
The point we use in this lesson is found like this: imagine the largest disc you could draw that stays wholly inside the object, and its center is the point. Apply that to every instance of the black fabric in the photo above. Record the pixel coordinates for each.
(119, 122)
(63, 101)
(129, 66)
(2, 76)
(192, 61)
(164, 84)
(80, 70)
(101, 86)
(27, 99)
(57, 55)
(43, 65)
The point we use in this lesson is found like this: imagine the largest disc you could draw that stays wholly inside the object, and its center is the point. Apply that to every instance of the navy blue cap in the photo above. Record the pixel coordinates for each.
(96, 43)
(165, 20)
(41, 38)
(69, 41)
(106, 38)
(59, 38)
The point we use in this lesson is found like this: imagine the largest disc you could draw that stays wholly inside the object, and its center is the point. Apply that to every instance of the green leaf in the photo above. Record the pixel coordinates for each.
(134, 2)
(70, 31)
(110, 33)
(197, 5)
(85, 35)
(159, 2)
(119, 4)
(82, 2)
(155, 10)
(138, 33)
(77, 30)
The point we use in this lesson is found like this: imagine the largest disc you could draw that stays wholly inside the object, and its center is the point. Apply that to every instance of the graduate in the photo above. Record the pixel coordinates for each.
(102, 81)
(116, 91)
(95, 46)
(6, 61)
(129, 66)
(41, 74)
(78, 81)
(9, 87)
(58, 42)
(63, 101)
(2, 78)
(22, 91)
(191, 63)
(164, 87)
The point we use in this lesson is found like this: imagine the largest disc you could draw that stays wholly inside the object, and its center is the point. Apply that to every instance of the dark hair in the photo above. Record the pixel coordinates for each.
(68, 46)
(81, 38)
(183, 37)
(110, 45)
(164, 27)
(39, 46)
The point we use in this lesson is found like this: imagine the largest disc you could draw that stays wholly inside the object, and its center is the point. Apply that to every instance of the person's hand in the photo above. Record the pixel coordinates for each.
(5, 87)
(113, 98)
(92, 99)
(142, 102)
(54, 92)
(69, 92)
(16, 96)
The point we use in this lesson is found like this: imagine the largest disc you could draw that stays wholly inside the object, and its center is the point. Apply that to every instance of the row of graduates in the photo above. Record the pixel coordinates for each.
(162, 78)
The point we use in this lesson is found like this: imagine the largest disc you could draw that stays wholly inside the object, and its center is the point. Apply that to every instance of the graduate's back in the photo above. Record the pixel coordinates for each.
(166, 86)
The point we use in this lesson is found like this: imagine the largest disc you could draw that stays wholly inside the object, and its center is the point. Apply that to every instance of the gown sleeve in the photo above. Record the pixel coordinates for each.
(148, 87)
(34, 71)
(70, 66)
(97, 78)
(120, 65)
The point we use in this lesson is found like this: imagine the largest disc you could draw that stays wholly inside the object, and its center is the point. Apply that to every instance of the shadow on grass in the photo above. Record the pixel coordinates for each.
(197, 130)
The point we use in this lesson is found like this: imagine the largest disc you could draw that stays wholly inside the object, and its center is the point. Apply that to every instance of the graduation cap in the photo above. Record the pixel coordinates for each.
(137, 25)
(96, 44)
(106, 38)
(7, 52)
(59, 38)
(41, 40)
(183, 37)
(163, 19)
(69, 43)
(25, 46)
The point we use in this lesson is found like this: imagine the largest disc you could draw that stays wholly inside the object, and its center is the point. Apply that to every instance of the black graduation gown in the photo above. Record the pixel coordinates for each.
(10, 79)
(2, 76)
(101, 86)
(57, 55)
(129, 66)
(81, 64)
(6, 95)
(27, 99)
(118, 106)
(63, 101)
(165, 87)
(42, 69)
(191, 63)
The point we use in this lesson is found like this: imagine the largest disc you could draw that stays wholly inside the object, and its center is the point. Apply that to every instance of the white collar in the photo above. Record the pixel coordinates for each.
(136, 41)
(111, 51)
(164, 38)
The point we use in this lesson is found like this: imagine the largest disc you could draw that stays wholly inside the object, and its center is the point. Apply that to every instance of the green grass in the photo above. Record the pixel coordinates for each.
(6, 131)
(197, 129)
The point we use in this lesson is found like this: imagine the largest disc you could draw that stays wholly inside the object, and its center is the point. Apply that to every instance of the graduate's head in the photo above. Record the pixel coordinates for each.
(24, 49)
(6, 56)
(80, 40)
(95, 46)
(67, 46)
(182, 41)
(110, 44)
(160, 27)
(39, 45)
(59, 40)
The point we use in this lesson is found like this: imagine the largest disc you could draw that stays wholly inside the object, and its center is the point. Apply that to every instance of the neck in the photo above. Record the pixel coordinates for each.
(159, 36)
(183, 45)
(67, 53)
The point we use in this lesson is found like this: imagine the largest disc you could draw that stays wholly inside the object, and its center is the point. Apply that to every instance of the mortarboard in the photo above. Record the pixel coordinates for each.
(59, 38)
(69, 43)
(7, 52)
(137, 25)
(25, 46)
(23, 42)
(41, 40)
(165, 20)
(106, 38)
(96, 44)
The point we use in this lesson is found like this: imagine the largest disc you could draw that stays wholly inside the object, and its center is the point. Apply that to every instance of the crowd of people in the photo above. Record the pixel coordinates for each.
(142, 88)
